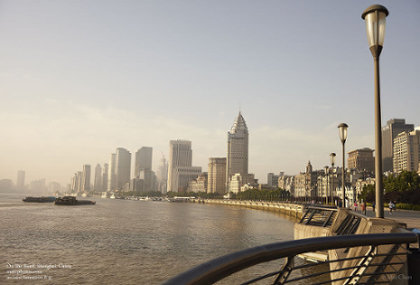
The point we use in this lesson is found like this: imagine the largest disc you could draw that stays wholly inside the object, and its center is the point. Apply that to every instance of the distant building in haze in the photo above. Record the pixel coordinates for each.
(112, 173)
(237, 151)
(217, 175)
(86, 178)
(122, 167)
(97, 184)
(162, 175)
(272, 180)
(105, 177)
(20, 182)
(389, 133)
(143, 160)
(407, 151)
(362, 159)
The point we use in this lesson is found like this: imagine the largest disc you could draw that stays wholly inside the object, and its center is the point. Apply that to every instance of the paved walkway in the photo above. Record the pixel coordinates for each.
(411, 218)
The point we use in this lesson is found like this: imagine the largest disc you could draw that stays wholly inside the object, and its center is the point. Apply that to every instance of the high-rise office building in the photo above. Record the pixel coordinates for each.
(143, 160)
(97, 184)
(217, 175)
(407, 151)
(86, 178)
(180, 169)
(20, 182)
(361, 159)
(389, 133)
(112, 180)
(122, 167)
(237, 151)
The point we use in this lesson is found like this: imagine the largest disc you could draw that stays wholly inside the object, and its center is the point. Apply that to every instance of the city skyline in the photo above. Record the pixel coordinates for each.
(138, 74)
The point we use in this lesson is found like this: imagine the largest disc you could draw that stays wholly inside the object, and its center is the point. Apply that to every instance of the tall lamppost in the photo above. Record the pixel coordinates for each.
(342, 130)
(332, 157)
(375, 18)
(327, 174)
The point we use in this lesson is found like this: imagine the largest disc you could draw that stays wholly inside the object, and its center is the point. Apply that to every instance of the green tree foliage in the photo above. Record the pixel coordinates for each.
(401, 188)
(368, 193)
(263, 195)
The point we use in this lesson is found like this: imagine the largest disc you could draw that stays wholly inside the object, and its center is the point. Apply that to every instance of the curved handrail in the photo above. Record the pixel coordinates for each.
(219, 268)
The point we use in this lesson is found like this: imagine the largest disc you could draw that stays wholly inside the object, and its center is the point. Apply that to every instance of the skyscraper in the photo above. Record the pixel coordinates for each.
(180, 170)
(143, 160)
(237, 151)
(86, 178)
(217, 175)
(389, 133)
(122, 167)
(97, 186)
(20, 182)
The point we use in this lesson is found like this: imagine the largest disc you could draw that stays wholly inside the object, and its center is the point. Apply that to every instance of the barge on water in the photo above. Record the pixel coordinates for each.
(39, 199)
(72, 201)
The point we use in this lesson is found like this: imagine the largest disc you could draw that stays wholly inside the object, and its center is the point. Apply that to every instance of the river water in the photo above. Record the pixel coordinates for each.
(124, 242)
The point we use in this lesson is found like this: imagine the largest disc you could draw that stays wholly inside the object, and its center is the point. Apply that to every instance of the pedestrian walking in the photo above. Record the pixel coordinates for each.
(373, 207)
(391, 206)
(364, 207)
(355, 206)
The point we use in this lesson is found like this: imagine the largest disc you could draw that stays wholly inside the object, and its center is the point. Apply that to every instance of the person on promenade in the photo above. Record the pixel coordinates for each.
(391, 207)
(355, 206)
(363, 206)
(373, 206)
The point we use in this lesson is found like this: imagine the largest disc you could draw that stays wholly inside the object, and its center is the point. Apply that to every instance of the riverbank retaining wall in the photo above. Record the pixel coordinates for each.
(290, 209)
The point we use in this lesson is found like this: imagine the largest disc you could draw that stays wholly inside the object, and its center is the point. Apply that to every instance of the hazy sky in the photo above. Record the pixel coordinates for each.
(80, 78)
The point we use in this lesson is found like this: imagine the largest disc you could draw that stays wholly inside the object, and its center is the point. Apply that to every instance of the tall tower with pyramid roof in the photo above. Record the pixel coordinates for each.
(237, 151)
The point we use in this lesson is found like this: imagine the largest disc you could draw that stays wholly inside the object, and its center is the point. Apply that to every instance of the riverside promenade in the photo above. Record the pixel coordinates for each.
(410, 218)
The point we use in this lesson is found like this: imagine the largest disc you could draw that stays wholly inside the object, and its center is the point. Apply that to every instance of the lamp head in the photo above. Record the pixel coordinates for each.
(342, 131)
(375, 18)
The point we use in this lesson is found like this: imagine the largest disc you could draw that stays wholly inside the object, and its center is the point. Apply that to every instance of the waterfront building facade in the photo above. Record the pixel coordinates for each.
(181, 176)
(389, 133)
(199, 184)
(361, 160)
(237, 151)
(235, 183)
(217, 175)
(407, 151)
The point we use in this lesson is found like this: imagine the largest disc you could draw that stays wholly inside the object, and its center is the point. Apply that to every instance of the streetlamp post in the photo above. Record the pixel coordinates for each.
(342, 130)
(332, 156)
(375, 18)
(327, 174)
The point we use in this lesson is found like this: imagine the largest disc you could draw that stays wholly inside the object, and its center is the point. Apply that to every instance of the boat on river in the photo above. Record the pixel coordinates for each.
(49, 199)
(72, 201)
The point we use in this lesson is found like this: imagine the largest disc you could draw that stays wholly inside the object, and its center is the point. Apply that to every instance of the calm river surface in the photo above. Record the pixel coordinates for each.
(122, 241)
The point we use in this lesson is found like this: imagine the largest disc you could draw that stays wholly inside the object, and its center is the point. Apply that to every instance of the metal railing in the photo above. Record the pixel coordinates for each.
(353, 259)
(319, 216)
